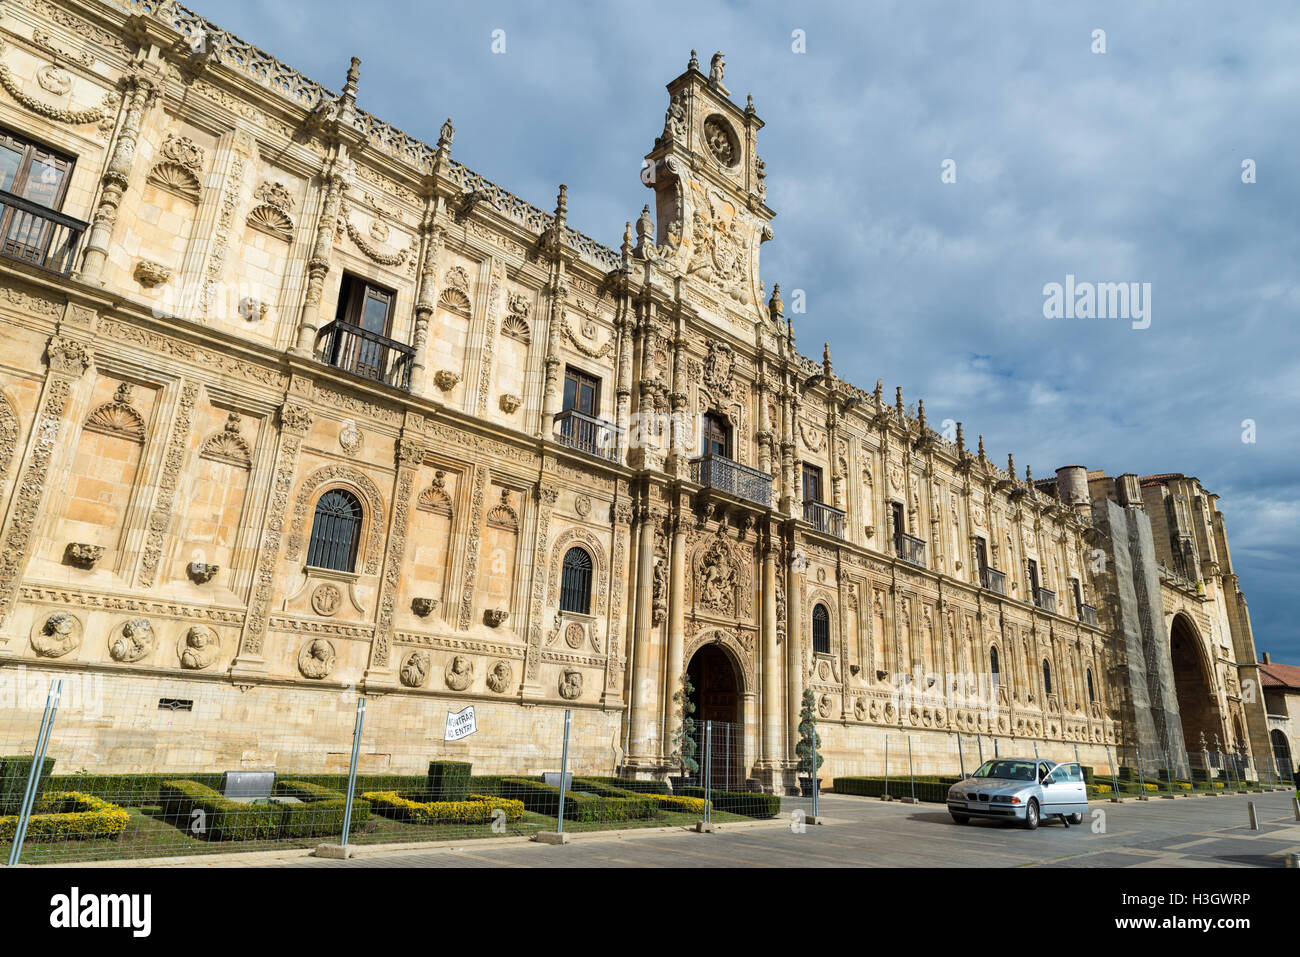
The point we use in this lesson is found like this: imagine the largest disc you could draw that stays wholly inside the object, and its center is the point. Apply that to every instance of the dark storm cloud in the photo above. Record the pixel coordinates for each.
(1122, 167)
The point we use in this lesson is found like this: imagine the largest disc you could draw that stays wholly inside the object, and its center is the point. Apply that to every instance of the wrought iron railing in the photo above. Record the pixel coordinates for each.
(367, 354)
(36, 234)
(585, 433)
(1088, 615)
(993, 580)
(911, 549)
(1045, 599)
(824, 518)
(717, 472)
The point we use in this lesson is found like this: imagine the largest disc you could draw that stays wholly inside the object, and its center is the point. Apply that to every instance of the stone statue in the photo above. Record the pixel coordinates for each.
(317, 659)
(499, 678)
(570, 684)
(459, 673)
(415, 670)
(717, 66)
(59, 635)
(199, 648)
(135, 641)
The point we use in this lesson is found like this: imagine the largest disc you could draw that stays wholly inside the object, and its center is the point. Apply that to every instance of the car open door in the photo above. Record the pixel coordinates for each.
(1064, 791)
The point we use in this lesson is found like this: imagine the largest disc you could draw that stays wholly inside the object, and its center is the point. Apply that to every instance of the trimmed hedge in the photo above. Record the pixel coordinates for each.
(666, 802)
(321, 812)
(221, 819)
(753, 804)
(449, 780)
(931, 791)
(14, 771)
(633, 784)
(545, 799)
(477, 809)
(68, 816)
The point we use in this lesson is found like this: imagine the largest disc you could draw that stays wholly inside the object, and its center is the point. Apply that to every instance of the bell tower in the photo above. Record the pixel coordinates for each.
(710, 190)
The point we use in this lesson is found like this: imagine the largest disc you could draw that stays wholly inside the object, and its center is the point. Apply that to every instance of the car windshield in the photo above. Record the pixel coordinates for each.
(1007, 770)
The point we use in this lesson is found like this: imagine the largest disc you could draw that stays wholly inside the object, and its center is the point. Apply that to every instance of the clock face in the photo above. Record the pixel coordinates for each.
(722, 141)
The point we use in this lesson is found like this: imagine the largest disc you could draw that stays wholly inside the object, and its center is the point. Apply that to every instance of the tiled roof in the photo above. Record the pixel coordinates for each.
(1279, 676)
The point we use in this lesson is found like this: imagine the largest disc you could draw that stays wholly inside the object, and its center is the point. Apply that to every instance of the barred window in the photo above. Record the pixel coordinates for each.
(1092, 695)
(575, 582)
(335, 531)
(821, 630)
(1047, 677)
(993, 667)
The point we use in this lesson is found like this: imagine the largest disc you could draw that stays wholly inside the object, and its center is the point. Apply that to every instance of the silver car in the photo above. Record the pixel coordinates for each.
(1027, 790)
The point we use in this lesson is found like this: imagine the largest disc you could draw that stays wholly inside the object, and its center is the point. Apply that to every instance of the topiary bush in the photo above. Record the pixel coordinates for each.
(754, 804)
(448, 780)
(477, 809)
(68, 816)
(14, 771)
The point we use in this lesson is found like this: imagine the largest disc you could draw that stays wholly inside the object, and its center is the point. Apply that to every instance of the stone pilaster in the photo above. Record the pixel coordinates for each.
(250, 660)
(334, 179)
(773, 751)
(643, 744)
(547, 495)
(430, 249)
(676, 622)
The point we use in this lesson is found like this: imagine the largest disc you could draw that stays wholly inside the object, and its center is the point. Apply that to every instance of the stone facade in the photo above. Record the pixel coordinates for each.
(176, 398)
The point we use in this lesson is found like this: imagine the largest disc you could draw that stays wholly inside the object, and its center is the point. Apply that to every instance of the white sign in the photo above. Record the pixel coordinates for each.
(460, 724)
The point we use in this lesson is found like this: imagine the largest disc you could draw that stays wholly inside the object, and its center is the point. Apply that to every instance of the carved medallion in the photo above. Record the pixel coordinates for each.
(415, 669)
(317, 658)
(570, 684)
(574, 634)
(325, 600)
(198, 648)
(135, 640)
(498, 678)
(59, 634)
(459, 673)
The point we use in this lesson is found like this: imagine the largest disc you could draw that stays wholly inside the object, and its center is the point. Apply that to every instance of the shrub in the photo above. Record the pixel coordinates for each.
(665, 802)
(932, 790)
(449, 780)
(68, 816)
(14, 771)
(477, 809)
(633, 784)
(221, 819)
(545, 799)
(321, 812)
(754, 804)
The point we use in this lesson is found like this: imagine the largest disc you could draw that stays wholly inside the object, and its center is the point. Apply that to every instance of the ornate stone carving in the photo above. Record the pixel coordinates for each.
(575, 634)
(570, 684)
(59, 634)
(178, 445)
(498, 678)
(435, 497)
(591, 542)
(510, 403)
(415, 669)
(446, 380)
(96, 114)
(358, 481)
(202, 572)
(477, 494)
(459, 672)
(83, 555)
(228, 445)
(495, 617)
(721, 140)
(503, 514)
(134, 641)
(350, 437)
(326, 598)
(118, 417)
(317, 658)
(423, 607)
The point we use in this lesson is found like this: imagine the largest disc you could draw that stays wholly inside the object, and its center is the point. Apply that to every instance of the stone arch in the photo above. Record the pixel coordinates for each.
(825, 598)
(341, 476)
(1194, 685)
(720, 578)
(735, 650)
(589, 542)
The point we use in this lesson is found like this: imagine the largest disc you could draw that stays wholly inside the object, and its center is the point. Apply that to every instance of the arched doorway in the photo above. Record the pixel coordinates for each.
(1196, 700)
(718, 698)
(1282, 754)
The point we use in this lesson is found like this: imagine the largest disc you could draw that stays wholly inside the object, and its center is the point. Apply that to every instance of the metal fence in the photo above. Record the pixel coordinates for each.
(100, 767)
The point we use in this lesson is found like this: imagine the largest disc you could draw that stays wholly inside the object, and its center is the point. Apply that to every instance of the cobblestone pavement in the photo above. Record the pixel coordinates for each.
(866, 832)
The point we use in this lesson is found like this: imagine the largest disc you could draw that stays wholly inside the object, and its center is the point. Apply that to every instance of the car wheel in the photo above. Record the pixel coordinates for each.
(1031, 815)
(961, 818)
(1076, 818)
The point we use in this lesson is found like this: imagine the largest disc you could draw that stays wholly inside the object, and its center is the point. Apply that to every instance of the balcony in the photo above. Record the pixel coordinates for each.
(591, 436)
(717, 472)
(825, 518)
(1088, 615)
(910, 549)
(994, 580)
(38, 235)
(1045, 599)
(367, 354)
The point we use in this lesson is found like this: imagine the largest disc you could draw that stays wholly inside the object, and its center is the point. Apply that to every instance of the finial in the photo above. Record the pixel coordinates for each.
(920, 415)
(775, 305)
(562, 203)
(354, 77)
(627, 240)
(695, 63)
(749, 103)
(826, 358)
(880, 391)
(1029, 477)
(983, 457)
(961, 442)
(446, 135)
(898, 402)
(1011, 465)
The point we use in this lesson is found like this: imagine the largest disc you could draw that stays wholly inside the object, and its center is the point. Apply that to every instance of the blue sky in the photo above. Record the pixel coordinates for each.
(1123, 166)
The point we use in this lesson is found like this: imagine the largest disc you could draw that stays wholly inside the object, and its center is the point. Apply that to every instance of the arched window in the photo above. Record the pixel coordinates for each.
(1047, 677)
(575, 581)
(1092, 694)
(994, 670)
(335, 531)
(821, 630)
